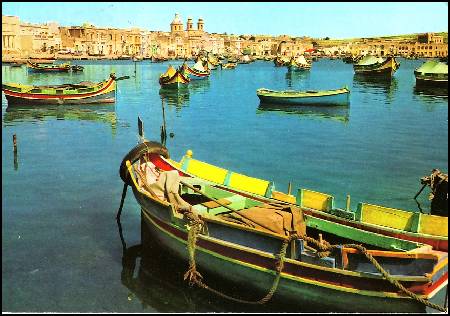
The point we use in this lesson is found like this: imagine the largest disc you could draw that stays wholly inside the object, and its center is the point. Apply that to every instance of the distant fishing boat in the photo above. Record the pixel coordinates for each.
(81, 93)
(228, 66)
(76, 68)
(280, 61)
(372, 65)
(322, 97)
(47, 68)
(432, 73)
(275, 248)
(174, 78)
(197, 71)
(299, 63)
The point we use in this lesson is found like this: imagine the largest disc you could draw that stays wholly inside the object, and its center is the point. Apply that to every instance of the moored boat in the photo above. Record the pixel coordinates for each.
(47, 68)
(81, 93)
(197, 71)
(432, 73)
(280, 61)
(323, 97)
(372, 65)
(174, 78)
(408, 225)
(299, 63)
(228, 66)
(278, 249)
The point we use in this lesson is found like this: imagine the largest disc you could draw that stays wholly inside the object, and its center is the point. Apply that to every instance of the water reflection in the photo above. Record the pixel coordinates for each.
(384, 84)
(175, 97)
(338, 113)
(199, 86)
(155, 277)
(430, 93)
(293, 76)
(104, 113)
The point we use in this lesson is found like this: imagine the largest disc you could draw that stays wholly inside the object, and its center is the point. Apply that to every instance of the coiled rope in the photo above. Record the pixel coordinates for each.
(194, 277)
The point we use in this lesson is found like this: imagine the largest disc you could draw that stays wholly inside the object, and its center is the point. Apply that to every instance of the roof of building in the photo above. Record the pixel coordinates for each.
(177, 19)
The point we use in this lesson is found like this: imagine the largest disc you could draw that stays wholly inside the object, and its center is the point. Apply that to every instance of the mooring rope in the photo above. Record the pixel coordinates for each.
(194, 277)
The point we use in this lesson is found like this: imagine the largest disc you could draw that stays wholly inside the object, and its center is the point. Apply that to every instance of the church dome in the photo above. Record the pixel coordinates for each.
(177, 19)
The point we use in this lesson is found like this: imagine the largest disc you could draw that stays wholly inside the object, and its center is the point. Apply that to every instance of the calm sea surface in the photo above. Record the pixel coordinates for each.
(61, 248)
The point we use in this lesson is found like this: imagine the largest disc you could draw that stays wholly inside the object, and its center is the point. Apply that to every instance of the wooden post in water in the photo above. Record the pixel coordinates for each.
(163, 127)
(16, 164)
(289, 187)
(15, 143)
(141, 128)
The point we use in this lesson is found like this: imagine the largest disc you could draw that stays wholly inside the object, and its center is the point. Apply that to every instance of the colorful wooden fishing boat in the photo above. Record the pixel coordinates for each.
(228, 66)
(280, 61)
(81, 93)
(197, 71)
(407, 225)
(299, 64)
(76, 68)
(372, 65)
(174, 78)
(276, 248)
(323, 97)
(432, 73)
(34, 67)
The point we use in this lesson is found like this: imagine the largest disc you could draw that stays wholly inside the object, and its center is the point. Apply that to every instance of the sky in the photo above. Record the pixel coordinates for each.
(336, 20)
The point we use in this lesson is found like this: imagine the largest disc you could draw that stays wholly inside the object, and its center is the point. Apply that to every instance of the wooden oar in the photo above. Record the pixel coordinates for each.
(209, 197)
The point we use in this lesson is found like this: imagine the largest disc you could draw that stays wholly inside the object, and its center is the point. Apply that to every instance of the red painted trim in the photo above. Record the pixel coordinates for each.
(48, 96)
(331, 278)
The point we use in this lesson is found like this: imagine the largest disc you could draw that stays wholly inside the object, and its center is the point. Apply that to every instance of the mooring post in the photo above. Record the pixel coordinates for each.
(141, 129)
(15, 143)
(289, 187)
(163, 127)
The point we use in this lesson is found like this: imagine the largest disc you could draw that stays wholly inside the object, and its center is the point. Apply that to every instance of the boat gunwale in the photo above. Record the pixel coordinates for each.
(300, 94)
(325, 214)
(25, 95)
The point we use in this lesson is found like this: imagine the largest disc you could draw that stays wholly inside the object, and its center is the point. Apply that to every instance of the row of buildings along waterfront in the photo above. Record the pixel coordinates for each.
(24, 40)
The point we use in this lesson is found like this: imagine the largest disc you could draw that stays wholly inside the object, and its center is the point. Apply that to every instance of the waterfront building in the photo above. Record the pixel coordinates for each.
(26, 40)
(10, 35)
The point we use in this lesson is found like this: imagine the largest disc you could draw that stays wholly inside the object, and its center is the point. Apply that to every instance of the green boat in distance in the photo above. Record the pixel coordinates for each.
(432, 73)
(308, 97)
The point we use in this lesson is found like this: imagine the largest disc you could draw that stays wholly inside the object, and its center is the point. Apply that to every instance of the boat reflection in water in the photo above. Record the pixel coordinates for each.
(431, 94)
(156, 279)
(376, 84)
(339, 112)
(104, 113)
(387, 84)
(294, 76)
(175, 97)
(199, 86)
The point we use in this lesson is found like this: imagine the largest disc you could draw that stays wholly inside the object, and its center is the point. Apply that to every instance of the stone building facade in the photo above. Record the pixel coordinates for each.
(26, 40)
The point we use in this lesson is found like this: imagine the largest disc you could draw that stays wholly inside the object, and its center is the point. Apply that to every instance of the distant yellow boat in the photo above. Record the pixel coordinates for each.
(173, 78)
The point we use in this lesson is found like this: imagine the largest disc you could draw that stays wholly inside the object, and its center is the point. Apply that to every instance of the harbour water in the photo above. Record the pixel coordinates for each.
(61, 247)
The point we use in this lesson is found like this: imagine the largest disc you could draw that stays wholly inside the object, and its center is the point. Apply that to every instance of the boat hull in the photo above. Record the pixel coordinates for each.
(104, 98)
(430, 82)
(105, 94)
(177, 81)
(387, 68)
(335, 99)
(302, 290)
